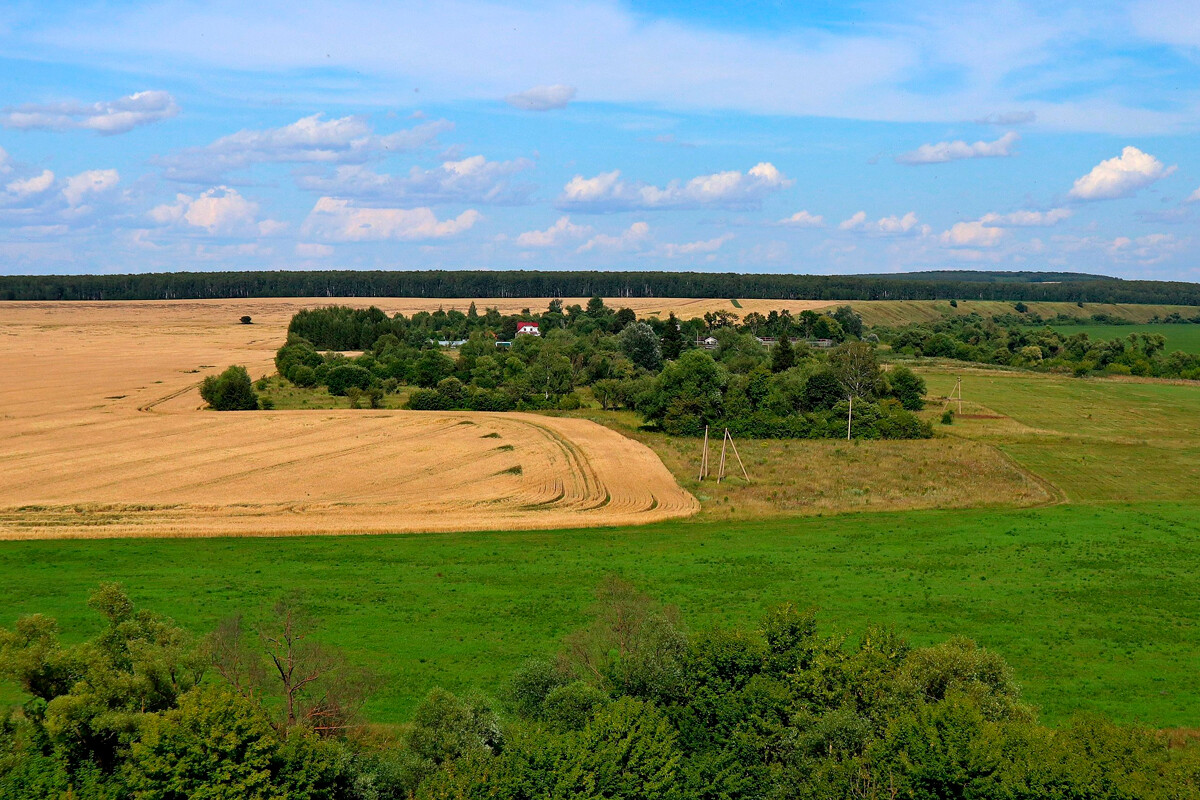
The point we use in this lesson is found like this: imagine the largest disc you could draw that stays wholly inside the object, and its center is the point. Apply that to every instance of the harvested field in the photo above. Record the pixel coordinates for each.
(101, 434)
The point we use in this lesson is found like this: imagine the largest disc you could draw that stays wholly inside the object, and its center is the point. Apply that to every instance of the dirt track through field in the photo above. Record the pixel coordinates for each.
(101, 434)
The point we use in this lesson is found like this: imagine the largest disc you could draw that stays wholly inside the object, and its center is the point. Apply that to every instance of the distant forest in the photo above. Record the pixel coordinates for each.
(480, 283)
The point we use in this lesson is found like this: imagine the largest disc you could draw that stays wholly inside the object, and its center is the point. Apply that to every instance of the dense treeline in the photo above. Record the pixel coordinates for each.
(1005, 341)
(519, 283)
(652, 367)
(633, 706)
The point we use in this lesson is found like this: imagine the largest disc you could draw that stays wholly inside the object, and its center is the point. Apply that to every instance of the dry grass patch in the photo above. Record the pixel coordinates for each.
(821, 477)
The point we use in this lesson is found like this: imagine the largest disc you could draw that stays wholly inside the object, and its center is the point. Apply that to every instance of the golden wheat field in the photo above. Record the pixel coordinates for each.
(102, 434)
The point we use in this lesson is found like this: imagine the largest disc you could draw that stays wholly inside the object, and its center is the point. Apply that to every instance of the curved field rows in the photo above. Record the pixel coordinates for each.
(101, 435)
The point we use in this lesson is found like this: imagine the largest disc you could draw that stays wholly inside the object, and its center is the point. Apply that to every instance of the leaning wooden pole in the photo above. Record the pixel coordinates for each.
(739, 458)
(721, 469)
(849, 417)
(704, 456)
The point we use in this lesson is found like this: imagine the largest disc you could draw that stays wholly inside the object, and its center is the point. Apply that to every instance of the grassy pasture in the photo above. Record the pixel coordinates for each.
(1179, 337)
(1098, 440)
(1097, 608)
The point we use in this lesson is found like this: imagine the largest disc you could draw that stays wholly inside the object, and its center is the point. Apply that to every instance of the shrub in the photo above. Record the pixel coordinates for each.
(908, 388)
(229, 391)
(303, 376)
(947, 417)
(345, 376)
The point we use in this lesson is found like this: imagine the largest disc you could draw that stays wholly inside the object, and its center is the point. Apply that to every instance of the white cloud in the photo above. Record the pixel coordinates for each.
(470, 180)
(705, 247)
(1194, 197)
(555, 235)
(803, 219)
(311, 139)
(30, 186)
(884, 226)
(1120, 176)
(731, 189)
(1026, 219)
(219, 211)
(94, 181)
(972, 234)
(941, 152)
(5, 166)
(313, 250)
(542, 98)
(107, 117)
(634, 237)
(339, 220)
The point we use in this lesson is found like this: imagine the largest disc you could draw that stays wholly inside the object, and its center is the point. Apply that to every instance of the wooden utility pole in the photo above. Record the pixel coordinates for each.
(849, 417)
(957, 390)
(704, 457)
(729, 436)
(721, 469)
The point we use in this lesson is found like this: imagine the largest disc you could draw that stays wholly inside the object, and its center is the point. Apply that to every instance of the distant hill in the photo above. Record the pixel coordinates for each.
(989, 276)
(1069, 287)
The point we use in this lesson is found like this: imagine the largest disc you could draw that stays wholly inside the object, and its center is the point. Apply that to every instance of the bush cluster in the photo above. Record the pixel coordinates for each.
(653, 367)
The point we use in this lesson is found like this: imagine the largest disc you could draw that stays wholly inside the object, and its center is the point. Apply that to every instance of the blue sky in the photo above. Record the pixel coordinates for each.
(755, 137)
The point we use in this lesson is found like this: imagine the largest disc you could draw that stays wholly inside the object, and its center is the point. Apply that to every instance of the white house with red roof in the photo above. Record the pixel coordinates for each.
(529, 329)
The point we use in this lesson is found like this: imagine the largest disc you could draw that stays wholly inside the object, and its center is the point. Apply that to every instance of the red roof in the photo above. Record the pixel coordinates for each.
(525, 325)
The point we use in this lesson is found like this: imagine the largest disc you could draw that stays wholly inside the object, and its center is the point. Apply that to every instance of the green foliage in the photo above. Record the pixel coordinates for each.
(344, 377)
(908, 388)
(215, 744)
(640, 344)
(232, 390)
(783, 355)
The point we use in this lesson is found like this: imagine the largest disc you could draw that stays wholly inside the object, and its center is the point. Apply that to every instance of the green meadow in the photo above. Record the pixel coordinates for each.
(1179, 337)
(1095, 607)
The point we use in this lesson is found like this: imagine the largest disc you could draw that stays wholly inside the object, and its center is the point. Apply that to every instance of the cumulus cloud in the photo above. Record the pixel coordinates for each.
(884, 226)
(1026, 219)
(706, 247)
(1007, 118)
(107, 117)
(339, 220)
(634, 237)
(542, 98)
(1194, 197)
(29, 186)
(1120, 176)
(941, 152)
(732, 189)
(803, 219)
(311, 139)
(94, 181)
(219, 211)
(555, 235)
(470, 180)
(972, 234)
